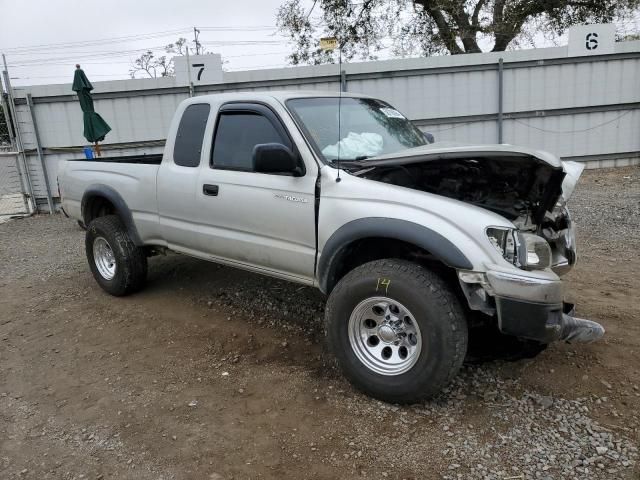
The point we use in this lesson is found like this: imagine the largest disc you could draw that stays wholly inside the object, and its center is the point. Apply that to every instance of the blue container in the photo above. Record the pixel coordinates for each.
(88, 152)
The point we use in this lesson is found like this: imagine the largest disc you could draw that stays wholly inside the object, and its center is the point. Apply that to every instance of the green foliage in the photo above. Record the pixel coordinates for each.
(629, 37)
(428, 27)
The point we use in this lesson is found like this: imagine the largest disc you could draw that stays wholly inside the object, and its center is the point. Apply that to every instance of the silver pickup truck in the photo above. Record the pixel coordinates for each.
(411, 241)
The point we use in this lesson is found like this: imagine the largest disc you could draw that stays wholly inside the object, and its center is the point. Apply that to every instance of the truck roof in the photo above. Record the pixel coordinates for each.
(280, 95)
(444, 148)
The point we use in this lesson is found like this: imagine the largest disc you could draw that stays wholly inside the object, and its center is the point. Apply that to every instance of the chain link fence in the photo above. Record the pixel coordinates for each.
(12, 198)
(5, 137)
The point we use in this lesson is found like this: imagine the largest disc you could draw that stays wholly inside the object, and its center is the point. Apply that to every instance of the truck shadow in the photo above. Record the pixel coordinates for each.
(272, 303)
(285, 315)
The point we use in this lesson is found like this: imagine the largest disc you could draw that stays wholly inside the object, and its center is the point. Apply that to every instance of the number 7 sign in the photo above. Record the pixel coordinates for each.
(201, 67)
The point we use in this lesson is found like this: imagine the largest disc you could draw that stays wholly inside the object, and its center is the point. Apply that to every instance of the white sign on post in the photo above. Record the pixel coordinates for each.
(199, 70)
(592, 40)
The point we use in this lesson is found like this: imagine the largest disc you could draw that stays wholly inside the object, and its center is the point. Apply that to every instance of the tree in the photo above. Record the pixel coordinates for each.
(181, 46)
(153, 66)
(430, 27)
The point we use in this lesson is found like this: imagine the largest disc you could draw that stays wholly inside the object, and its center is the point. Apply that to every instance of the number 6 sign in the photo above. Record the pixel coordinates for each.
(591, 40)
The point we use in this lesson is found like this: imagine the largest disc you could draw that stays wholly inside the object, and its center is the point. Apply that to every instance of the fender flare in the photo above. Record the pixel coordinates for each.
(122, 210)
(392, 228)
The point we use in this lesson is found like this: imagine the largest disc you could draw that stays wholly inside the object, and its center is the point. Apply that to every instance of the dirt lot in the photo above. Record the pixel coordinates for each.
(214, 373)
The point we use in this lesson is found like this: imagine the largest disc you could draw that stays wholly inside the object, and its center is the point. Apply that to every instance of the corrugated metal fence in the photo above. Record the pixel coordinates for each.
(580, 108)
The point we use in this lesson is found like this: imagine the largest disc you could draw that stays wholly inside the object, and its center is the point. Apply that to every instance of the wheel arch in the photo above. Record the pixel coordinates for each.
(99, 200)
(387, 231)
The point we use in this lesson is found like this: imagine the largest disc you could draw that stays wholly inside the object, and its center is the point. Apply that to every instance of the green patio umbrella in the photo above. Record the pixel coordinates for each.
(95, 128)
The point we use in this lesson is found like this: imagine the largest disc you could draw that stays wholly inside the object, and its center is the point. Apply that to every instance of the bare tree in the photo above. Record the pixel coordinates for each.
(152, 66)
(181, 46)
(432, 27)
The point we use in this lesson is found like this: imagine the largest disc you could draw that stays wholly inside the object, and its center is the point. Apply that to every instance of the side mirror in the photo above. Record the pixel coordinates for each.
(275, 158)
(429, 137)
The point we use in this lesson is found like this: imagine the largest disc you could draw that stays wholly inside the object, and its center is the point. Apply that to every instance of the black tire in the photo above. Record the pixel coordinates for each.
(436, 310)
(130, 260)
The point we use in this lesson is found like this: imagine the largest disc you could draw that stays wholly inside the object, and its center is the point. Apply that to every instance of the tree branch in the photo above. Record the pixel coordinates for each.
(508, 20)
(498, 12)
(476, 12)
(467, 31)
(445, 33)
(435, 25)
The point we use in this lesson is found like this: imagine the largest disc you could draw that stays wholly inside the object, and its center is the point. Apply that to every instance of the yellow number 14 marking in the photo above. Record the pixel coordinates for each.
(383, 282)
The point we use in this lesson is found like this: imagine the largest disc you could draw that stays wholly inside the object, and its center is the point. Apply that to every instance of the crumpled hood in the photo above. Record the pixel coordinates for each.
(454, 150)
(572, 170)
(444, 150)
(507, 179)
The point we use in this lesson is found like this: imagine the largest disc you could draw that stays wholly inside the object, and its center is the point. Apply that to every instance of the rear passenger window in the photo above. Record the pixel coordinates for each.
(188, 147)
(236, 135)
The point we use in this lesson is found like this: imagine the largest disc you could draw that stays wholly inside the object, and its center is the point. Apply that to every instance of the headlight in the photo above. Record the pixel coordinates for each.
(524, 250)
(504, 240)
(534, 252)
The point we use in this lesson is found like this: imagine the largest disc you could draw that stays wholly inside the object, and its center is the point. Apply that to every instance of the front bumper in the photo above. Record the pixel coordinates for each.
(529, 304)
(545, 323)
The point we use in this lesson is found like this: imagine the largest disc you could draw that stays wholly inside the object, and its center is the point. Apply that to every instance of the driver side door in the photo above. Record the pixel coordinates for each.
(256, 220)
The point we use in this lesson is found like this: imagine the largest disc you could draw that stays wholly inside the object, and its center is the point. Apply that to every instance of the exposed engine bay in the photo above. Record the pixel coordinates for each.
(511, 187)
(524, 190)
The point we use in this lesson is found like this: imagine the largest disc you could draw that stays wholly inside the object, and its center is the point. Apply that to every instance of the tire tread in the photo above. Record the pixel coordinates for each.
(135, 269)
(440, 292)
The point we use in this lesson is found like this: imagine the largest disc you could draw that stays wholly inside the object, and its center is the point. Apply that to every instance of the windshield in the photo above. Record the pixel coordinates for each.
(367, 127)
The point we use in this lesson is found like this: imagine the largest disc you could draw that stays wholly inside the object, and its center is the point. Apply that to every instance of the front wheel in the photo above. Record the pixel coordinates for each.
(117, 264)
(397, 330)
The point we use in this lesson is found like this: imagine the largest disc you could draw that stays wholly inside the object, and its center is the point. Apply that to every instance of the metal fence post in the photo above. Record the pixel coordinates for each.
(40, 154)
(343, 81)
(500, 97)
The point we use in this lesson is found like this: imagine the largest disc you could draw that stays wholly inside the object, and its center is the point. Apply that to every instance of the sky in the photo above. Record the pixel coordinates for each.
(93, 32)
(44, 39)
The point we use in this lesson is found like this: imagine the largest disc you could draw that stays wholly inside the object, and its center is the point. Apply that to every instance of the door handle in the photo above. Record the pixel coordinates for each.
(211, 190)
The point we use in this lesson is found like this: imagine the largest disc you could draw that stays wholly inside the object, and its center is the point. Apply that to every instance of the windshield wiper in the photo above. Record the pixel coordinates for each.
(356, 166)
(351, 162)
(358, 161)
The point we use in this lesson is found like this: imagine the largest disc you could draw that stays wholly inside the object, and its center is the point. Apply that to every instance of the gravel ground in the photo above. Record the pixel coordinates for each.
(216, 373)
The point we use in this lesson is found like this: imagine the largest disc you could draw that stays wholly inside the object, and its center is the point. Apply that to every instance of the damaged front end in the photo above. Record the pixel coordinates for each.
(530, 189)
(526, 190)
(527, 305)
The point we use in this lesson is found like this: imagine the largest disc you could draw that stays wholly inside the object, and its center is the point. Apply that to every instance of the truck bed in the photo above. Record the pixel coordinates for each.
(132, 178)
(147, 159)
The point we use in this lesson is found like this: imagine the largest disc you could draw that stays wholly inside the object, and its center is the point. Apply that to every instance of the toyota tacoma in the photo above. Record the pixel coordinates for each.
(412, 242)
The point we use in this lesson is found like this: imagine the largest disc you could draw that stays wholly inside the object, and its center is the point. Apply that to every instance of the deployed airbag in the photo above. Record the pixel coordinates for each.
(355, 145)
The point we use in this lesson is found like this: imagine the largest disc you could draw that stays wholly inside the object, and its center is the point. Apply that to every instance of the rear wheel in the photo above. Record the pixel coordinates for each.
(117, 264)
(397, 330)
